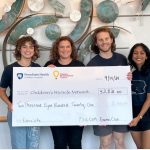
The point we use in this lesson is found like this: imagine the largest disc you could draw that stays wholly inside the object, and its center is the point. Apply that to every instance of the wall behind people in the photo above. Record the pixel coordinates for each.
(132, 23)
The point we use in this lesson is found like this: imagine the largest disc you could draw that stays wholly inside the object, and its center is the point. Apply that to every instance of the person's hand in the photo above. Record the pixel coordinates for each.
(10, 107)
(134, 122)
(129, 76)
(51, 65)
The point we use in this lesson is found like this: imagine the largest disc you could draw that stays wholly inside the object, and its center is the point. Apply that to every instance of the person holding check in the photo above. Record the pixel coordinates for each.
(64, 54)
(26, 52)
(139, 59)
(104, 46)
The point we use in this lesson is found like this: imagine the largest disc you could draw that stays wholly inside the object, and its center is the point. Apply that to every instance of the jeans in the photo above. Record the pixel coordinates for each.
(23, 137)
(67, 137)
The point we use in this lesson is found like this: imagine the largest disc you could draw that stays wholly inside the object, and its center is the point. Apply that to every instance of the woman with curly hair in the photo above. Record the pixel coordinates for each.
(26, 52)
(64, 54)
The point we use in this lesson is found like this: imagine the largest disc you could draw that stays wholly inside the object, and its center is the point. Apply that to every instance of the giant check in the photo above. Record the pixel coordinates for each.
(44, 96)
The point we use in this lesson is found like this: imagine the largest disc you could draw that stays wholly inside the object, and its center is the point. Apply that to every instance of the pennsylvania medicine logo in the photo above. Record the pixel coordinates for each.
(19, 75)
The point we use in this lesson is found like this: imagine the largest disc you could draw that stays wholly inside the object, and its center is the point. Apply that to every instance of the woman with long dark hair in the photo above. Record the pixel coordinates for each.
(139, 59)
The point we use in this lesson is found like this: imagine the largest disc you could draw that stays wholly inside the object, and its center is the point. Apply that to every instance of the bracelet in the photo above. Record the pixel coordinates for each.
(141, 117)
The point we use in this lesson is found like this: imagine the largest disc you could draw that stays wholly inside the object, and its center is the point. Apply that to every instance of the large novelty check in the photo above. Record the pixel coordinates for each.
(44, 96)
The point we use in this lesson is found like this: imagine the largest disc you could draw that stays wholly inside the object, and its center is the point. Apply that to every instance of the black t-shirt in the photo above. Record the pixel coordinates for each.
(140, 88)
(7, 76)
(116, 60)
(73, 63)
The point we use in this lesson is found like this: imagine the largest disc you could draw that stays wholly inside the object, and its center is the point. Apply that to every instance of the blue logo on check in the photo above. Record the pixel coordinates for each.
(20, 75)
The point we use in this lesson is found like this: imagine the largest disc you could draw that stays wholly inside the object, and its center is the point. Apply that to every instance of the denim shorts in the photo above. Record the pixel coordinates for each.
(23, 137)
(106, 130)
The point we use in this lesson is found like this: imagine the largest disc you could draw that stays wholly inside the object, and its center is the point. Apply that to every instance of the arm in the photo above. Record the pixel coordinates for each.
(129, 76)
(144, 109)
(5, 98)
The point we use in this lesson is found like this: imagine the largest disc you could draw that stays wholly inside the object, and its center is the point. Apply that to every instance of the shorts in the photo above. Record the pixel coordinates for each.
(106, 130)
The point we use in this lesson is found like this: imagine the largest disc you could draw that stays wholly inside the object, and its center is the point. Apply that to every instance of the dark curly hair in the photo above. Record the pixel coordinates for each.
(94, 47)
(20, 42)
(146, 65)
(54, 54)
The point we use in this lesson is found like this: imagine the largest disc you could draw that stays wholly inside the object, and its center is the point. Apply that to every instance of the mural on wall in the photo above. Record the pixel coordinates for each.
(16, 22)
(144, 4)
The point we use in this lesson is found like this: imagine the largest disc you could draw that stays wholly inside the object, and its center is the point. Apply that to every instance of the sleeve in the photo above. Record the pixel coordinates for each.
(125, 61)
(6, 78)
(81, 64)
(91, 63)
(47, 63)
(36, 65)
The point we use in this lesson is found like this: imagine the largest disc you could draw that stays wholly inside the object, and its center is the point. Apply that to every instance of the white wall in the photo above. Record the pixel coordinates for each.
(140, 31)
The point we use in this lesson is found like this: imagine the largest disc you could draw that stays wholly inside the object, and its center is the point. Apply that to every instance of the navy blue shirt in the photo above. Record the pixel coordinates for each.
(116, 60)
(7, 76)
(140, 88)
(73, 63)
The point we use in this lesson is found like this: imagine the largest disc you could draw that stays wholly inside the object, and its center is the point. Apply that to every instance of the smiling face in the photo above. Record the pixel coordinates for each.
(65, 49)
(27, 50)
(139, 56)
(104, 42)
